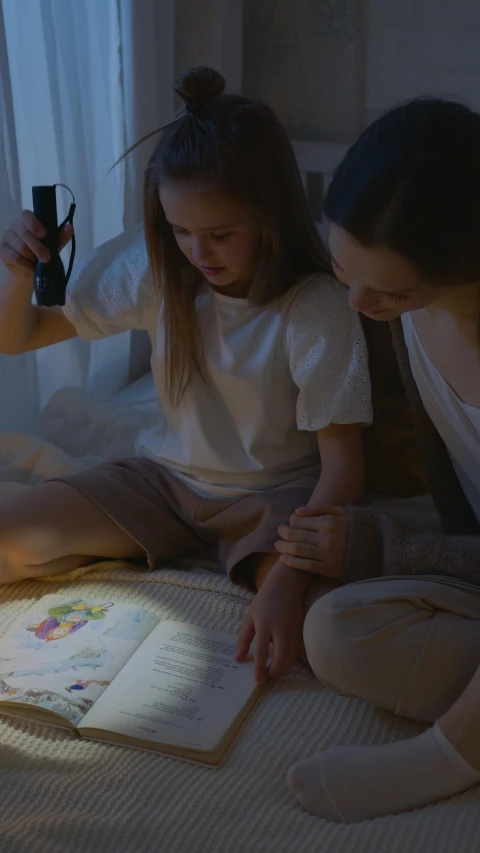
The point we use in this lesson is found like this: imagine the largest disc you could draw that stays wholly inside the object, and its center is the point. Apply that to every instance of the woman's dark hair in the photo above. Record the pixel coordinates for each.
(238, 146)
(411, 183)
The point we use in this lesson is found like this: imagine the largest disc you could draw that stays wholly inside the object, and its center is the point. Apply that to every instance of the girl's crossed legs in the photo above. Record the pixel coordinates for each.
(53, 528)
(134, 508)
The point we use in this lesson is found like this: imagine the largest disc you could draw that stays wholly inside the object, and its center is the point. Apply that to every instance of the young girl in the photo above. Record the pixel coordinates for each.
(259, 363)
(404, 208)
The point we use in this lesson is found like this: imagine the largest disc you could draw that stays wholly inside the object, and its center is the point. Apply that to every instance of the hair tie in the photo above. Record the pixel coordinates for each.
(194, 109)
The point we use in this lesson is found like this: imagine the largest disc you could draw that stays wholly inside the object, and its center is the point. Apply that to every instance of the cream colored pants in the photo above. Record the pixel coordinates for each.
(407, 644)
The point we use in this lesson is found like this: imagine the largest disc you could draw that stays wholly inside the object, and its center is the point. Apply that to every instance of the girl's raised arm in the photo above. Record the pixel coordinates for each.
(24, 326)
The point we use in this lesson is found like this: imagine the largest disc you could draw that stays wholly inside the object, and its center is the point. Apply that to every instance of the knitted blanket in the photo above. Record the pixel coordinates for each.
(61, 795)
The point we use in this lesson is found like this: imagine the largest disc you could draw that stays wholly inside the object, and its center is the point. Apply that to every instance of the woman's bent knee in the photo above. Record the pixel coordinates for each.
(385, 641)
(353, 641)
(329, 648)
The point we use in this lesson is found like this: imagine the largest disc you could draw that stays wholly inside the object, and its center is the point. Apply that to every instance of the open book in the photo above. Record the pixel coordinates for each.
(114, 672)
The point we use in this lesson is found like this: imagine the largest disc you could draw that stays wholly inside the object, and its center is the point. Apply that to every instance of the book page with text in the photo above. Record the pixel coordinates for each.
(182, 687)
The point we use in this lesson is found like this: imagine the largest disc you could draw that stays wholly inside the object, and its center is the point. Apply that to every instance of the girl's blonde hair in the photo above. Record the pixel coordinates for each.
(239, 147)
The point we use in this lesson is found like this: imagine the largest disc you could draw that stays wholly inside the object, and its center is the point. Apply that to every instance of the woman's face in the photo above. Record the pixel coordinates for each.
(382, 284)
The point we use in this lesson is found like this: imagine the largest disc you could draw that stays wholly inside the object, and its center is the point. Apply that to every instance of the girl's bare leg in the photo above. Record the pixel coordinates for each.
(52, 528)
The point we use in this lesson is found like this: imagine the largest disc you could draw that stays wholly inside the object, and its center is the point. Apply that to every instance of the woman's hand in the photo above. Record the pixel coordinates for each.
(21, 245)
(315, 540)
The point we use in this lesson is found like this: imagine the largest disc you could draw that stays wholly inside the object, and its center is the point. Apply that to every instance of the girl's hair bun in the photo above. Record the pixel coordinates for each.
(199, 86)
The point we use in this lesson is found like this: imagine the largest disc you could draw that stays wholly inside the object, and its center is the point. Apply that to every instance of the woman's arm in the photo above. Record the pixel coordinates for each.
(360, 542)
(378, 545)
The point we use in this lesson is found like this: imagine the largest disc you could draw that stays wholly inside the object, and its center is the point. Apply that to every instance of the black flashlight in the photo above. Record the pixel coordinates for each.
(49, 279)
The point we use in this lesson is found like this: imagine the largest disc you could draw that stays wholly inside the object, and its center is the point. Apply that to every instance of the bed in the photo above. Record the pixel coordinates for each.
(60, 794)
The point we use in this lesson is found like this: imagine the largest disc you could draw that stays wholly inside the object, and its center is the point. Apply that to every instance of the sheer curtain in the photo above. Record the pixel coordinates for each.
(18, 388)
(71, 112)
(81, 81)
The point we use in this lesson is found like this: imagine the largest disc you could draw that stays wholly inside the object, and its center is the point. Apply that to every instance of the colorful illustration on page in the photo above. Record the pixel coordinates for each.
(65, 653)
(65, 619)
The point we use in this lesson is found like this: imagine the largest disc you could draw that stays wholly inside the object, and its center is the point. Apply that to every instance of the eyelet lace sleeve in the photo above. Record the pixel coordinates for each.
(112, 290)
(328, 356)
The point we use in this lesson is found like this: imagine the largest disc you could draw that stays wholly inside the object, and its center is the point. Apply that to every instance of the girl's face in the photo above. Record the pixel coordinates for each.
(215, 233)
(382, 284)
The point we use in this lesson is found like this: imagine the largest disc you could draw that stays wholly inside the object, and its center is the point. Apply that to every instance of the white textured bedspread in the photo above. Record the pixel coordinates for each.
(60, 795)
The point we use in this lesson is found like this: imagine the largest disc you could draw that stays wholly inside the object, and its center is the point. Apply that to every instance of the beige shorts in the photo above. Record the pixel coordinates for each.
(168, 519)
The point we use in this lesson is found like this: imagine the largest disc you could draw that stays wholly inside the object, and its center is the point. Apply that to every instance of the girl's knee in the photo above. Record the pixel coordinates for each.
(23, 549)
(12, 560)
(31, 529)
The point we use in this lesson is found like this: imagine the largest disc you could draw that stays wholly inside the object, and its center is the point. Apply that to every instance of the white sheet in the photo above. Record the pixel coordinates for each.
(77, 429)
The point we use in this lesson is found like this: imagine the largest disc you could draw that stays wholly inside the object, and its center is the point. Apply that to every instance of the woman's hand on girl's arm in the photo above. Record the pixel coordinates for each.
(365, 543)
(315, 540)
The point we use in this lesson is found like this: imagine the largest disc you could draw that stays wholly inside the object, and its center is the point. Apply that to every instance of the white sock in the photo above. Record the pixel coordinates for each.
(352, 783)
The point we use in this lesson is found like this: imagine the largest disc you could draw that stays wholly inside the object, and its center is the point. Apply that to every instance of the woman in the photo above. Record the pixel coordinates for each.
(404, 208)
